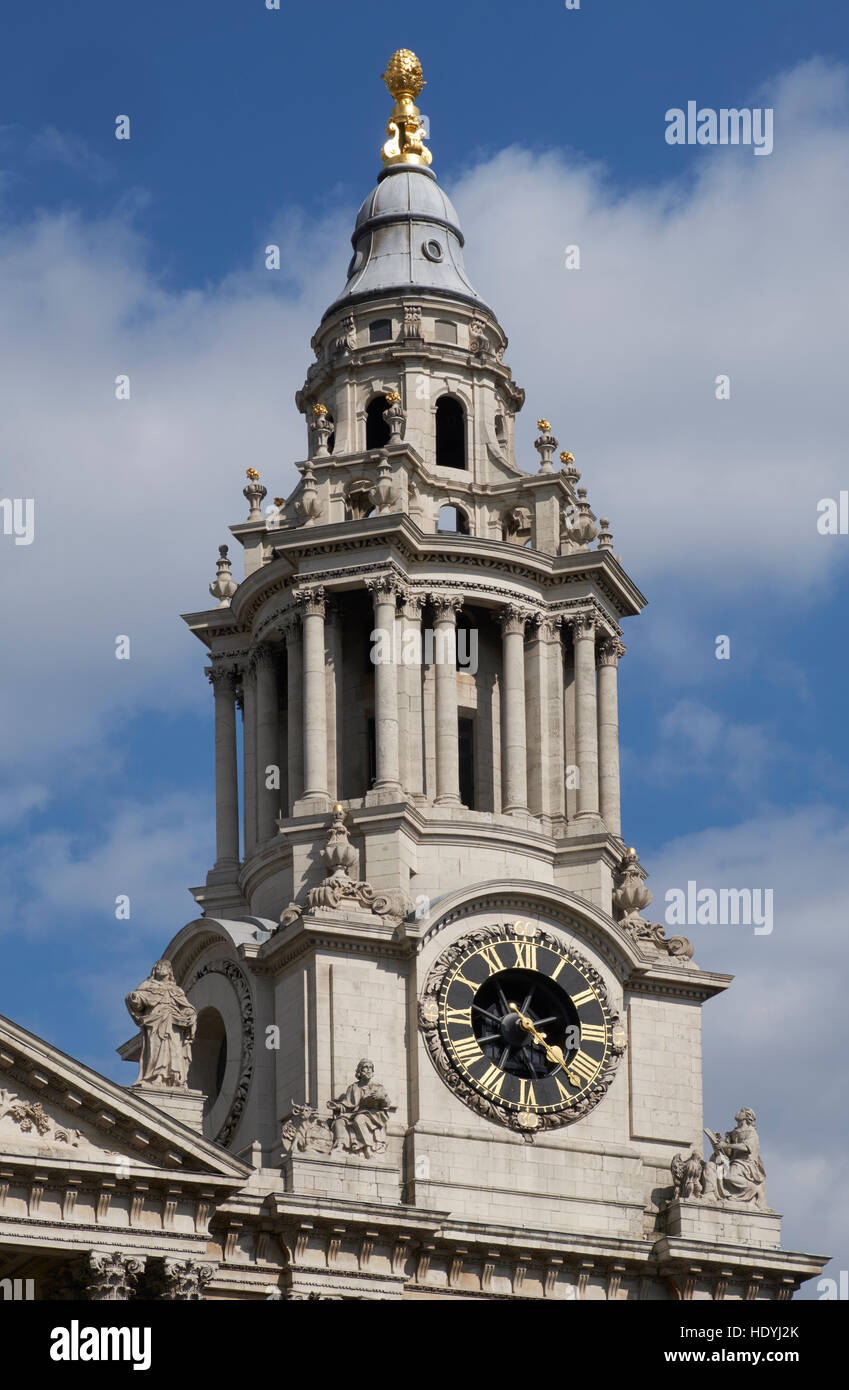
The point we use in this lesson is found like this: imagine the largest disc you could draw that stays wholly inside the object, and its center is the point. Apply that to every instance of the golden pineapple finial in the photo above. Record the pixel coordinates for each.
(403, 77)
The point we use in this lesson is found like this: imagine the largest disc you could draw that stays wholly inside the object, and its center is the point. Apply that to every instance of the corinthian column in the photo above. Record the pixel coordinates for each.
(315, 697)
(410, 717)
(294, 711)
(445, 609)
(267, 743)
(249, 757)
(387, 786)
(586, 725)
(223, 680)
(514, 764)
(608, 733)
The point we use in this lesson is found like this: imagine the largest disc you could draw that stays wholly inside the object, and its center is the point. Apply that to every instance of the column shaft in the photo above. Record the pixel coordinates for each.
(226, 770)
(294, 713)
(315, 698)
(586, 726)
(608, 733)
(386, 743)
(249, 758)
(267, 744)
(514, 762)
(411, 679)
(445, 661)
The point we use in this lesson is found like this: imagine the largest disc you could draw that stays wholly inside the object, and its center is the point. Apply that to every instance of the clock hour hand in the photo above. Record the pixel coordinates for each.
(552, 1052)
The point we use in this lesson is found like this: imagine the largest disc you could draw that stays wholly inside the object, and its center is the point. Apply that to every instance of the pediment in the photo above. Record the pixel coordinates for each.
(56, 1111)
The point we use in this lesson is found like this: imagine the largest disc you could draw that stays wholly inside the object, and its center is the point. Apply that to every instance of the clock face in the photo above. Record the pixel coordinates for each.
(525, 1024)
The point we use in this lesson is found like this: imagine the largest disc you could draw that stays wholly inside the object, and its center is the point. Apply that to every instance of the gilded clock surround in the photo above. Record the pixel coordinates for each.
(477, 1084)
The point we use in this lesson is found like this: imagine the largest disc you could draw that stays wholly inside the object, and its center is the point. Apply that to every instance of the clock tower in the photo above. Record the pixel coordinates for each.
(431, 1016)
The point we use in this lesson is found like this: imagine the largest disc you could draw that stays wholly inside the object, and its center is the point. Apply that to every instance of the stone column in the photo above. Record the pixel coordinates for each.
(267, 743)
(223, 681)
(586, 724)
(315, 698)
(387, 785)
(514, 766)
(249, 795)
(544, 714)
(445, 609)
(608, 733)
(411, 682)
(294, 711)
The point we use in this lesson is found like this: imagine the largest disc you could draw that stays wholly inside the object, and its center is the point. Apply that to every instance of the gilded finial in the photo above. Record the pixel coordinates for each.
(566, 457)
(393, 396)
(543, 425)
(403, 77)
(319, 409)
(252, 474)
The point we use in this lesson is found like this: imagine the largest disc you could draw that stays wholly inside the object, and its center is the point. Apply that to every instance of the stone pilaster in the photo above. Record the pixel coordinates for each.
(514, 770)
(223, 680)
(445, 610)
(608, 733)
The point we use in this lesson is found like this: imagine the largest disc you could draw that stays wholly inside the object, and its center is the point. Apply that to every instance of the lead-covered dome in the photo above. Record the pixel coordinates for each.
(407, 237)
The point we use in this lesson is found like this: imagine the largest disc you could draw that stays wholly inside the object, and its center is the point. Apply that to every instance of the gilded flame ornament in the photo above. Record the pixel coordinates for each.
(403, 77)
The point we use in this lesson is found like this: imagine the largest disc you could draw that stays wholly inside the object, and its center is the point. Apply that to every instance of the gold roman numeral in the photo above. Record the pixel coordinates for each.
(583, 1066)
(526, 955)
(590, 1032)
(526, 1092)
(492, 1080)
(492, 958)
(467, 1048)
(461, 979)
(564, 1094)
(556, 972)
(453, 1015)
(583, 998)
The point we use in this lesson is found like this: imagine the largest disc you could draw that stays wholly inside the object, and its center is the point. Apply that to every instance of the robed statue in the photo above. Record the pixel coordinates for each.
(167, 1021)
(360, 1115)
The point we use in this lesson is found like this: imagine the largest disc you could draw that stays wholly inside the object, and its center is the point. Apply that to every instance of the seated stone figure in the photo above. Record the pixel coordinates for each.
(360, 1115)
(735, 1172)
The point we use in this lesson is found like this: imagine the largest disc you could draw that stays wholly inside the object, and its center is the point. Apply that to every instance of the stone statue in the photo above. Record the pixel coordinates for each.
(167, 1021)
(733, 1173)
(360, 1115)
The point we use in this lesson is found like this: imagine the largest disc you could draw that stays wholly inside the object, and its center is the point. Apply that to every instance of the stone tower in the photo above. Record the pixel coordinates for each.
(430, 1014)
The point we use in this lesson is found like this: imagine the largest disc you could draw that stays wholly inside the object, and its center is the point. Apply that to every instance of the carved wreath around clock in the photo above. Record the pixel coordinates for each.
(520, 1027)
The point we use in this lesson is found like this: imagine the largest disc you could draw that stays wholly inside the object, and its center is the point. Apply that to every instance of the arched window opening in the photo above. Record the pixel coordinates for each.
(500, 429)
(450, 433)
(209, 1056)
(358, 503)
(380, 331)
(452, 519)
(331, 438)
(377, 430)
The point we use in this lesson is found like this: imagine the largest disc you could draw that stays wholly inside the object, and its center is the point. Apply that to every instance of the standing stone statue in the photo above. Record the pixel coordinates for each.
(360, 1115)
(167, 1021)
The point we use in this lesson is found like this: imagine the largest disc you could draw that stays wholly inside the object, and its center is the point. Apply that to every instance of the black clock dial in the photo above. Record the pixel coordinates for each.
(498, 1010)
(524, 1024)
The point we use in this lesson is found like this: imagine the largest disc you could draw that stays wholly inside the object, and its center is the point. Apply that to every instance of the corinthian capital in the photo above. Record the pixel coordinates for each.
(609, 652)
(445, 606)
(311, 602)
(583, 625)
(262, 656)
(513, 620)
(112, 1276)
(222, 677)
(384, 588)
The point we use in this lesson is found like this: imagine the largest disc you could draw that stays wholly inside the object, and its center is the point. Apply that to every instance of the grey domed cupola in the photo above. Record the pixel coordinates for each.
(407, 235)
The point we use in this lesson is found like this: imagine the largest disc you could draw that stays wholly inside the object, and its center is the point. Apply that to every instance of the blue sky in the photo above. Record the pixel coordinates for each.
(145, 256)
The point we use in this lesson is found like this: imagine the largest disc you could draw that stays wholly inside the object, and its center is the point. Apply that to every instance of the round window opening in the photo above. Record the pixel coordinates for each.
(209, 1056)
(433, 250)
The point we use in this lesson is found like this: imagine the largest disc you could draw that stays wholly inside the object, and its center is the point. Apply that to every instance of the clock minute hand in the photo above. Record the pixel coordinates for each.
(552, 1052)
